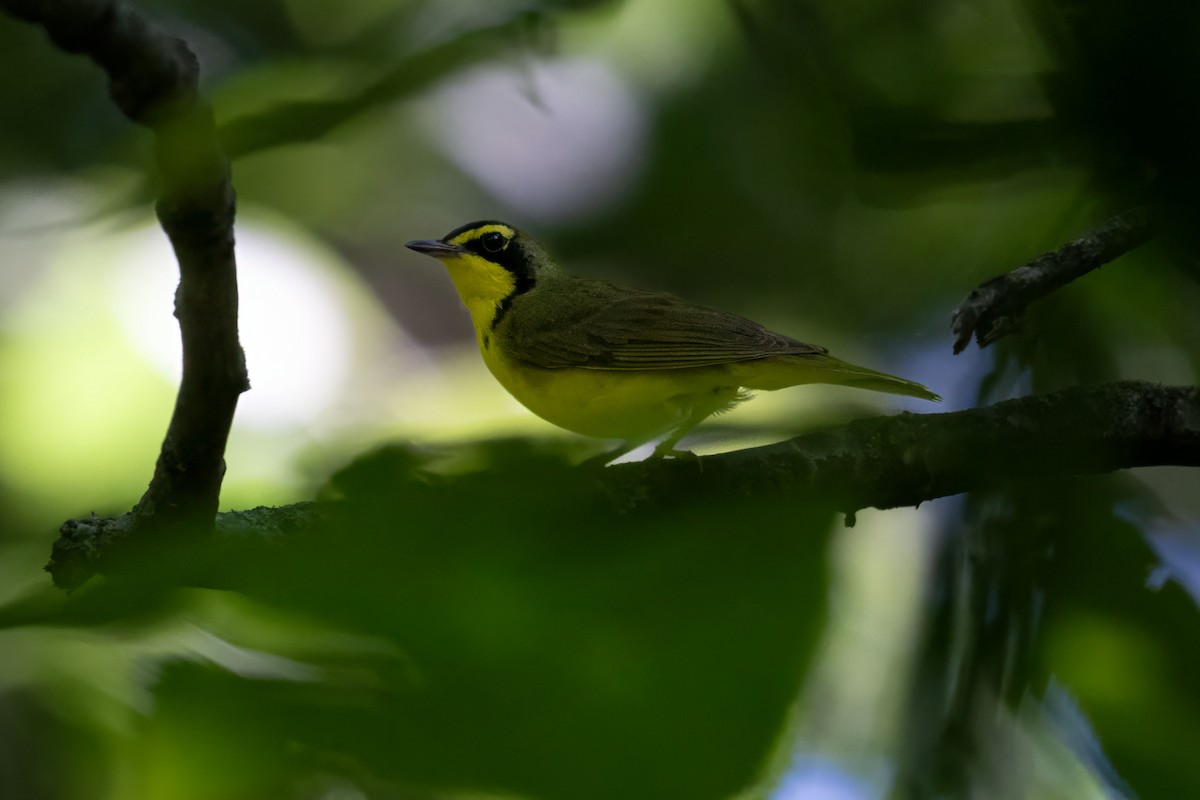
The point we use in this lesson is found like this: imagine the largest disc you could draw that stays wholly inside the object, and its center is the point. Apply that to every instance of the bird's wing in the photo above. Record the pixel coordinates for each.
(601, 326)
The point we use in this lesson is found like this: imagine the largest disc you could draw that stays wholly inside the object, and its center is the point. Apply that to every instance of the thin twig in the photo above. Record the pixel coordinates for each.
(995, 308)
(153, 79)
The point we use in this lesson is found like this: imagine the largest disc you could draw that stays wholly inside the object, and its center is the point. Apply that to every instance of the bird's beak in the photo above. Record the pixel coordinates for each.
(432, 247)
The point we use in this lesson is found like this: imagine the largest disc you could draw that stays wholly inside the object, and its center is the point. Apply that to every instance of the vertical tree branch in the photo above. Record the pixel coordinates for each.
(153, 78)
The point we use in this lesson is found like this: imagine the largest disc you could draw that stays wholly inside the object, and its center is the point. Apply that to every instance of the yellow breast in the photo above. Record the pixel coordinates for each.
(609, 404)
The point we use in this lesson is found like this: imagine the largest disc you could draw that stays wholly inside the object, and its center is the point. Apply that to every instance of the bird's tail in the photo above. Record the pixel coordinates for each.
(780, 372)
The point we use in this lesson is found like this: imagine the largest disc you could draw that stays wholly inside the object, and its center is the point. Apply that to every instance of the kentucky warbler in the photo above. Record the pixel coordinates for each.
(612, 362)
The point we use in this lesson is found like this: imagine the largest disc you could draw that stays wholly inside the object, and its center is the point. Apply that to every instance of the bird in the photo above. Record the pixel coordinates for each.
(614, 362)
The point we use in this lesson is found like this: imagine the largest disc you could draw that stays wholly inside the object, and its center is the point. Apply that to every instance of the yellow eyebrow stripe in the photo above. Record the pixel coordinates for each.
(475, 233)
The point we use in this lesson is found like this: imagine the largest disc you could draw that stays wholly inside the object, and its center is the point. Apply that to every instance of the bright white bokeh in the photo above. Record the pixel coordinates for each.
(92, 358)
(552, 140)
(293, 319)
(820, 779)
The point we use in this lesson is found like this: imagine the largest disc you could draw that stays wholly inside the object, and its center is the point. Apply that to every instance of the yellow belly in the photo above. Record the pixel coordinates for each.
(639, 405)
(614, 404)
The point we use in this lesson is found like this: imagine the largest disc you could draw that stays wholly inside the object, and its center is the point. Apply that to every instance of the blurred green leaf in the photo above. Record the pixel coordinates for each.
(309, 121)
(544, 643)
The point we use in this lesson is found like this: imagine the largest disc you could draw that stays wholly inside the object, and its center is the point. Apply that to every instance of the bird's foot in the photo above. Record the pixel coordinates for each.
(669, 451)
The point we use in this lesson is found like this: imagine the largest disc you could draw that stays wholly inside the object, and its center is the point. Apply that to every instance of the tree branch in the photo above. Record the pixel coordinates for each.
(995, 308)
(904, 460)
(153, 79)
(881, 462)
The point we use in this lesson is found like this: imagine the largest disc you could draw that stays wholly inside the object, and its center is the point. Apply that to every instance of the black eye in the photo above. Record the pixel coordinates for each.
(493, 242)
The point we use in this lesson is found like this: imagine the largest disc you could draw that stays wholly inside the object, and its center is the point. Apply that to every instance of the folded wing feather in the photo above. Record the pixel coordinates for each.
(600, 326)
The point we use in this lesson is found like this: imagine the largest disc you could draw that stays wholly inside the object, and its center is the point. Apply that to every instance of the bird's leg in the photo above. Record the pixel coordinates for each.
(667, 446)
(721, 399)
(698, 408)
(664, 448)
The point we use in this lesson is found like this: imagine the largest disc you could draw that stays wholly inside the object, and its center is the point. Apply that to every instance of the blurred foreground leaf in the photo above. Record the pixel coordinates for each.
(550, 646)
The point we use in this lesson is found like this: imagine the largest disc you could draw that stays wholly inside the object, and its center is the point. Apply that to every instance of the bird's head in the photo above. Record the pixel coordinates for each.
(490, 263)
